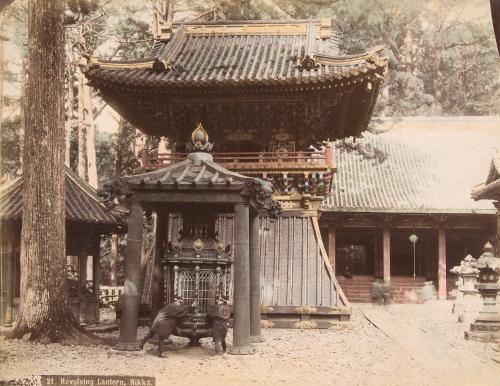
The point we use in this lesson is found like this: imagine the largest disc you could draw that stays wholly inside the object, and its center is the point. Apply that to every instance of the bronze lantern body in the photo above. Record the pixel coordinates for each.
(198, 268)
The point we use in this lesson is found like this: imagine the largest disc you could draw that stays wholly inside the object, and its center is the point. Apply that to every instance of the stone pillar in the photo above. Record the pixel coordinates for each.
(241, 280)
(255, 259)
(332, 246)
(133, 281)
(442, 262)
(386, 236)
(158, 269)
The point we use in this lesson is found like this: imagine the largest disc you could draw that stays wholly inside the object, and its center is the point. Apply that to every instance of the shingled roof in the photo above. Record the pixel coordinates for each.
(239, 53)
(82, 203)
(421, 165)
(490, 189)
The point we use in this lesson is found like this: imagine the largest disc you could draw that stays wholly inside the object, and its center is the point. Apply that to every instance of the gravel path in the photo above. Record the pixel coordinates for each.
(365, 354)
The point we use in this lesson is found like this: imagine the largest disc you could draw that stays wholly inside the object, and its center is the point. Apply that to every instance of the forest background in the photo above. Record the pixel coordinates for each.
(442, 56)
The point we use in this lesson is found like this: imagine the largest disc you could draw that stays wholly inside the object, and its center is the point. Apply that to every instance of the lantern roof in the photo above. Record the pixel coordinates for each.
(193, 177)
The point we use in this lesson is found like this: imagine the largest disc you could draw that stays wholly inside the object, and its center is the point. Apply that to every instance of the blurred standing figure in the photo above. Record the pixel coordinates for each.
(220, 313)
(164, 323)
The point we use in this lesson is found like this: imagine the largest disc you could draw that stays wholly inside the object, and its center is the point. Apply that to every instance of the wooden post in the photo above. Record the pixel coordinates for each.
(96, 275)
(332, 245)
(386, 235)
(114, 260)
(158, 270)
(497, 205)
(377, 257)
(241, 330)
(255, 260)
(442, 262)
(82, 281)
(7, 282)
(133, 281)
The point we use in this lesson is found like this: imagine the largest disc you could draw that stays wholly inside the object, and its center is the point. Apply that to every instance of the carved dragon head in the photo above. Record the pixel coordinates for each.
(261, 197)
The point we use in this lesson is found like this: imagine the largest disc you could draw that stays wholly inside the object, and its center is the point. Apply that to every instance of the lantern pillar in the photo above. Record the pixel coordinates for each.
(133, 281)
(158, 290)
(255, 259)
(241, 280)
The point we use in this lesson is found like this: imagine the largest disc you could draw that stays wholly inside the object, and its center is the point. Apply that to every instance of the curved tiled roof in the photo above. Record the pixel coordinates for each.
(249, 53)
(82, 203)
(490, 189)
(411, 170)
(197, 170)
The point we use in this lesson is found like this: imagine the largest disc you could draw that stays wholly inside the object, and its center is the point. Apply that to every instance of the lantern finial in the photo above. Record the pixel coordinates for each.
(199, 140)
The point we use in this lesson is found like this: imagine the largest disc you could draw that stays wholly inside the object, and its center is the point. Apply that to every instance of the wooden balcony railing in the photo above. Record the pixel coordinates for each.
(254, 162)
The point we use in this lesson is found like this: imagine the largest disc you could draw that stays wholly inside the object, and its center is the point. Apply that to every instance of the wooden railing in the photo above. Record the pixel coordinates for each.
(253, 162)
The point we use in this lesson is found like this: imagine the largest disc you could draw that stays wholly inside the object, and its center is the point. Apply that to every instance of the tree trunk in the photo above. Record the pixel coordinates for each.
(408, 50)
(119, 147)
(90, 137)
(82, 131)
(2, 39)
(228, 10)
(70, 105)
(44, 312)
(22, 112)
(140, 143)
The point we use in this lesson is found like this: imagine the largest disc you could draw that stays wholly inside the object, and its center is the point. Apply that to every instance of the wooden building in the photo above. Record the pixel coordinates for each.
(415, 178)
(490, 190)
(87, 218)
(265, 91)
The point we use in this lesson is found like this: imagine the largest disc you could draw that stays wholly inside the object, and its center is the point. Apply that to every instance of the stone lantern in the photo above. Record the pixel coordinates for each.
(486, 327)
(467, 299)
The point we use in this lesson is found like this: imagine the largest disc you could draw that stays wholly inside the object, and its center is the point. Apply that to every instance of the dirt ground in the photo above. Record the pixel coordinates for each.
(385, 345)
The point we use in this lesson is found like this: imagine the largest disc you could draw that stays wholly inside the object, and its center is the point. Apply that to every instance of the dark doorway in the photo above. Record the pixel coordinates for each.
(355, 251)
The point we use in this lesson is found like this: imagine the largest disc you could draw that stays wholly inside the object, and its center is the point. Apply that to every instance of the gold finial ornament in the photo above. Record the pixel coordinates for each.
(199, 140)
(199, 134)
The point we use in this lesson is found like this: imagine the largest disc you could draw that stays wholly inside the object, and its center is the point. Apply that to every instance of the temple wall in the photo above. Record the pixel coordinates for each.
(293, 272)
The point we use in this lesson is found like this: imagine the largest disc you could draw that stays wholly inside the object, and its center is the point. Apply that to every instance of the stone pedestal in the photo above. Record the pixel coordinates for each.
(486, 327)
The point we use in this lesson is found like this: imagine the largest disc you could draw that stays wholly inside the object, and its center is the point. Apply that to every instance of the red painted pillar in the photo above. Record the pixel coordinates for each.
(386, 236)
(442, 263)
